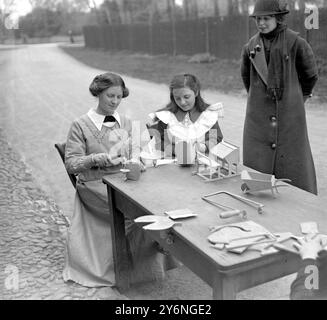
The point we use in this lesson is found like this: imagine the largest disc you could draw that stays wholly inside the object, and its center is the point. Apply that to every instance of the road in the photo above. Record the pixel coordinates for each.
(43, 90)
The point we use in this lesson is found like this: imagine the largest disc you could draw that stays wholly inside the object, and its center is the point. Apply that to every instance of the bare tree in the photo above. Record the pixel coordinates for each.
(78, 5)
(233, 7)
(291, 4)
(171, 15)
(245, 6)
(112, 11)
(194, 9)
(7, 7)
(49, 4)
(186, 7)
(127, 12)
(216, 8)
(6, 10)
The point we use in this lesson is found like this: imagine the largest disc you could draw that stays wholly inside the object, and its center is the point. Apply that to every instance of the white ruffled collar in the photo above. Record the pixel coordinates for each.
(195, 130)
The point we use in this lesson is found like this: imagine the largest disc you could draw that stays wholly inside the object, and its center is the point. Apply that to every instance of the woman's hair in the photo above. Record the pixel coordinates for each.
(186, 81)
(106, 80)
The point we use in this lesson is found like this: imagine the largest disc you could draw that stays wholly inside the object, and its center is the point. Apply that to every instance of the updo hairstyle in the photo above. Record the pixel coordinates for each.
(106, 80)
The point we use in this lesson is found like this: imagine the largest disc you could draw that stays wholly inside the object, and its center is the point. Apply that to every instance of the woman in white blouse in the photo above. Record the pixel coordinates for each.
(96, 145)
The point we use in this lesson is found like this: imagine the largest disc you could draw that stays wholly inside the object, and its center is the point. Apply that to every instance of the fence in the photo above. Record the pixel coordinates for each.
(221, 37)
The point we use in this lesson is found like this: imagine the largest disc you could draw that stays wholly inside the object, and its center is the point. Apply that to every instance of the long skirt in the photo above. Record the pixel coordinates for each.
(89, 256)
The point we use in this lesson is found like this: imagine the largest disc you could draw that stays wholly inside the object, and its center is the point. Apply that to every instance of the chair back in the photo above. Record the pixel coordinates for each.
(61, 150)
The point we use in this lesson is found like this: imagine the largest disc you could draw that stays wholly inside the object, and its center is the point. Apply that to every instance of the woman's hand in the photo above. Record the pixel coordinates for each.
(138, 162)
(103, 160)
(310, 246)
(116, 161)
(201, 147)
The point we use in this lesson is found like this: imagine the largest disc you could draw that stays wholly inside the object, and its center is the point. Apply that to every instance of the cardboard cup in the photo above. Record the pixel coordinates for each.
(134, 171)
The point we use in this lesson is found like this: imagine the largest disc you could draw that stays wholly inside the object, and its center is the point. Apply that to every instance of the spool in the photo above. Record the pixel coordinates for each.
(132, 171)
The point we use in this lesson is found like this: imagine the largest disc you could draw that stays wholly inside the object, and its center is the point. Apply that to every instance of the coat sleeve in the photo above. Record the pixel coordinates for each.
(298, 288)
(306, 67)
(76, 160)
(245, 67)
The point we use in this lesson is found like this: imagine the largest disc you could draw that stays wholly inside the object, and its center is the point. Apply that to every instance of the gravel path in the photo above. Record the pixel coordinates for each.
(32, 239)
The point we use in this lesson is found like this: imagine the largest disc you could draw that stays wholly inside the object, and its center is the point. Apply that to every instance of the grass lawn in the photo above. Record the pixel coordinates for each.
(221, 75)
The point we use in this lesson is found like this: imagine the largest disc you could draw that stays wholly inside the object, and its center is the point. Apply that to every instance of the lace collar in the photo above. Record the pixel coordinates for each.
(187, 130)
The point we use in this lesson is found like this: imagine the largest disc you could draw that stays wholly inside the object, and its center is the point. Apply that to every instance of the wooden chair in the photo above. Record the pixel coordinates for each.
(61, 149)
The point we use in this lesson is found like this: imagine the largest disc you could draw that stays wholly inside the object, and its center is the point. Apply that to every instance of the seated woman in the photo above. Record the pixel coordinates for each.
(186, 118)
(96, 145)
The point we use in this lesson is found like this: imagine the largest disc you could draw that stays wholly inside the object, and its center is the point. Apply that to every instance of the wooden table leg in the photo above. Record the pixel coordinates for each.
(119, 243)
(223, 288)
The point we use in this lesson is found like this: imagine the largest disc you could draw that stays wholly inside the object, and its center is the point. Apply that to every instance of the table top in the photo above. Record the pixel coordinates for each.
(172, 187)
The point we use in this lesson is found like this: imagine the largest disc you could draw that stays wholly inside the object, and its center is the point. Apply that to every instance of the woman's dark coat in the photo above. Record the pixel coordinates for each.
(275, 137)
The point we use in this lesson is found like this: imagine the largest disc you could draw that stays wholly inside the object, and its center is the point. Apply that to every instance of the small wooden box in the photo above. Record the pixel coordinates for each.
(185, 153)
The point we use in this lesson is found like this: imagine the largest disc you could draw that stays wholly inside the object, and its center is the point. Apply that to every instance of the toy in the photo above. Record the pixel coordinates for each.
(155, 222)
(252, 203)
(257, 181)
(238, 237)
(228, 156)
(230, 212)
(149, 155)
(180, 214)
(132, 171)
(185, 153)
(309, 228)
(207, 168)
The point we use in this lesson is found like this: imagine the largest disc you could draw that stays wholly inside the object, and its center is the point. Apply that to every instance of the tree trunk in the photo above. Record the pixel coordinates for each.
(233, 7)
(216, 8)
(195, 9)
(171, 14)
(186, 7)
(151, 14)
(107, 12)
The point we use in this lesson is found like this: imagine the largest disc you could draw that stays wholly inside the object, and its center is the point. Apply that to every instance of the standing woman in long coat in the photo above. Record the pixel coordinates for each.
(279, 72)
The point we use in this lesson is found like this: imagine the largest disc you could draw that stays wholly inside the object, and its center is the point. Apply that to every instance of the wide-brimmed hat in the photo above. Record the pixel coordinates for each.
(270, 7)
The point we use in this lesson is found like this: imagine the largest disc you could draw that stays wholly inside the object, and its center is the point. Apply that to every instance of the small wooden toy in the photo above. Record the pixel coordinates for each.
(155, 222)
(309, 228)
(257, 205)
(227, 156)
(257, 181)
(132, 171)
(185, 153)
(238, 237)
(229, 212)
(180, 214)
(207, 168)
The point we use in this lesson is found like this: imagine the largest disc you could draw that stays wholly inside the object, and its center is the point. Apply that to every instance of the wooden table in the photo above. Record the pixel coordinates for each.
(172, 187)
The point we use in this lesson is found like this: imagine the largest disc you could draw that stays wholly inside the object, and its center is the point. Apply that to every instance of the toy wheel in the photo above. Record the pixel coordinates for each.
(244, 188)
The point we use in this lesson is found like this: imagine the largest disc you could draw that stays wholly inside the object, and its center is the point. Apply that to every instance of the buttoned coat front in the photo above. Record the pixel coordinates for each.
(275, 138)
